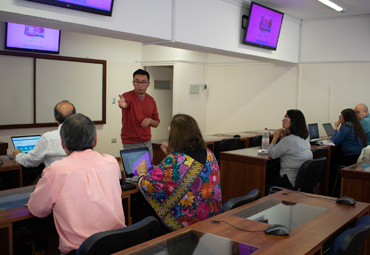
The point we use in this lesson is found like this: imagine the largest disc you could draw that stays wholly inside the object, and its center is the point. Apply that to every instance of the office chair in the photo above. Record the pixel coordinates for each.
(319, 152)
(308, 178)
(112, 241)
(255, 141)
(226, 145)
(239, 201)
(352, 241)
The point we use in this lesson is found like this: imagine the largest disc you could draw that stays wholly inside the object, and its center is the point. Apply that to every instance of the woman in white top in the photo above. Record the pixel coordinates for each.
(293, 149)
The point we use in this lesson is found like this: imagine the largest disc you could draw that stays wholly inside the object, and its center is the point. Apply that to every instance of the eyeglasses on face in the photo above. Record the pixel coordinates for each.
(285, 118)
(137, 83)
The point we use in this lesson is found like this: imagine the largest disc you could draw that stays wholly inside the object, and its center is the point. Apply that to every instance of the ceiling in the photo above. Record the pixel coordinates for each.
(313, 9)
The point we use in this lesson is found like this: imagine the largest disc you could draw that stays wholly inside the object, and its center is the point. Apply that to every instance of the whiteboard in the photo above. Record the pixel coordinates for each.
(32, 84)
(80, 83)
(16, 90)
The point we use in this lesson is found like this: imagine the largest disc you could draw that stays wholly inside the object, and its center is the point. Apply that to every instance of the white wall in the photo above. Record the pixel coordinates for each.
(249, 97)
(336, 40)
(184, 102)
(329, 88)
(335, 65)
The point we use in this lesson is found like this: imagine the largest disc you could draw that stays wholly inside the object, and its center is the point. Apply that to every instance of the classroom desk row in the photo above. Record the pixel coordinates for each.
(210, 140)
(243, 170)
(10, 216)
(312, 222)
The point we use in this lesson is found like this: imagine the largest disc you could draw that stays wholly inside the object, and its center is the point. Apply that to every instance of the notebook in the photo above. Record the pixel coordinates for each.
(25, 143)
(131, 158)
(328, 128)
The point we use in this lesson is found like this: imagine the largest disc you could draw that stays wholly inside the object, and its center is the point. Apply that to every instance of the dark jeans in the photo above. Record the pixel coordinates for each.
(336, 164)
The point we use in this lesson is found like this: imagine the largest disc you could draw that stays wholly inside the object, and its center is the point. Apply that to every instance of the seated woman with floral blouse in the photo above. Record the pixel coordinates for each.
(185, 187)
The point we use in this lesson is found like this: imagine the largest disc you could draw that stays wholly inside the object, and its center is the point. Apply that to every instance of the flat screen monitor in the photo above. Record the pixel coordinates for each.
(102, 7)
(264, 25)
(31, 38)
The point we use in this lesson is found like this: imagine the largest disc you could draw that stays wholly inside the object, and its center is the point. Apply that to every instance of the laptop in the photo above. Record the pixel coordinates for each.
(25, 143)
(328, 129)
(313, 130)
(131, 158)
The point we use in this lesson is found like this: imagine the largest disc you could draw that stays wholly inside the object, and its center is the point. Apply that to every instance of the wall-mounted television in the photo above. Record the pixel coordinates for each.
(102, 7)
(264, 25)
(31, 38)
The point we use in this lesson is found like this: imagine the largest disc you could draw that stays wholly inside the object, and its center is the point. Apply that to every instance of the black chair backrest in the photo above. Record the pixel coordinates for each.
(227, 145)
(239, 201)
(310, 173)
(255, 141)
(352, 241)
(319, 152)
(112, 241)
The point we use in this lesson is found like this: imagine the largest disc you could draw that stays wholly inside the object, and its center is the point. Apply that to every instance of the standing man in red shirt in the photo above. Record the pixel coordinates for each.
(139, 113)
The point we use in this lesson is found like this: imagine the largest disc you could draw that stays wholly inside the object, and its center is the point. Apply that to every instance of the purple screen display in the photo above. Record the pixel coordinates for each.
(31, 37)
(264, 26)
(96, 4)
(148, 162)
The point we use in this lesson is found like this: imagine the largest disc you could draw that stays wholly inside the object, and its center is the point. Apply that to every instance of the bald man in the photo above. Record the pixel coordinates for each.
(49, 148)
(363, 116)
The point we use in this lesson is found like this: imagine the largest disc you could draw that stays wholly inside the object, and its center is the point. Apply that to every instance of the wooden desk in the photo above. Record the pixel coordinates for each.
(356, 182)
(210, 140)
(241, 171)
(11, 174)
(7, 217)
(307, 238)
(158, 154)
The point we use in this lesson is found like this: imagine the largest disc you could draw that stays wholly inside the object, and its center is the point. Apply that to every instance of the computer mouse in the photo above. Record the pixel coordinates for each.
(277, 230)
(346, 200)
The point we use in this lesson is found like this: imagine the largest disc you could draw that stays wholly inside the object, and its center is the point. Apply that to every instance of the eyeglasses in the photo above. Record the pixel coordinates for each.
(286, 118)
(340, 116)
(137, 83)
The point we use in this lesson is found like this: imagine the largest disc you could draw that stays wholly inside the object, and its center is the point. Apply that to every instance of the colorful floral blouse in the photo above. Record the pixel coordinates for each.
(183, 191)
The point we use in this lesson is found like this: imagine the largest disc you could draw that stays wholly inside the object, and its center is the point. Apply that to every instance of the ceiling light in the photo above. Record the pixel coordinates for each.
(335, 5)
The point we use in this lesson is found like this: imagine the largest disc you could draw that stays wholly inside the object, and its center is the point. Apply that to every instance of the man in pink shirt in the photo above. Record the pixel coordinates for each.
(82, 190)
(139, 113)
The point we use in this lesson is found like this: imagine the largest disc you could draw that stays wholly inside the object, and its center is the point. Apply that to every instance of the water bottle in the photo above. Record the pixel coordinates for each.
(265, 139)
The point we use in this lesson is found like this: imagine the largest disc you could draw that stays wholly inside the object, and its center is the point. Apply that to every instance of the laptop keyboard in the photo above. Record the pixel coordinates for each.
(132, 179)
(10, 156)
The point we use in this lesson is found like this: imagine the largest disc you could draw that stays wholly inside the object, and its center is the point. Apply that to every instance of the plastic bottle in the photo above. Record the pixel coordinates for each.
(265, 139)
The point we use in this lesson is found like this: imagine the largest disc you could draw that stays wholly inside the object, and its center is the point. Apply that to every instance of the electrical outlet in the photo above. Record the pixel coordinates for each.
(114, 140)
(113, 100)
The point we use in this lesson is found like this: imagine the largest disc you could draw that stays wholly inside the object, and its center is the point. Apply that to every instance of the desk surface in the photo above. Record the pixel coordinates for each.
(356, 171)
(9, 164)
(308, 238)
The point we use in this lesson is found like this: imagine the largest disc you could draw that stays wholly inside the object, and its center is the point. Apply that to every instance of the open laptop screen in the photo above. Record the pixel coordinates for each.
(328, 128)
(131, 158)
(25, 143)
(313, 129)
